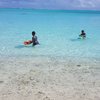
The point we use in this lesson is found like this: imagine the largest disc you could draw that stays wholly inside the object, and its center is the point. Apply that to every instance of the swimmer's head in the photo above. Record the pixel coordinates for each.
(82, 31)
(33, 33)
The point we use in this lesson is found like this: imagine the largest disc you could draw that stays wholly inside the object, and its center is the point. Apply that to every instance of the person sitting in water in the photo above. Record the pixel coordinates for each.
(34, 39)
(83, 34)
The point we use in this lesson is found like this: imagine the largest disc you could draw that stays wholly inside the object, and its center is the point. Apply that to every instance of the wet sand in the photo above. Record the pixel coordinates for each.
(49, 78)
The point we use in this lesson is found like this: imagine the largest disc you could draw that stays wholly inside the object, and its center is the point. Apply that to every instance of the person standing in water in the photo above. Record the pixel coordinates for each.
(34, 38)
(82, 35)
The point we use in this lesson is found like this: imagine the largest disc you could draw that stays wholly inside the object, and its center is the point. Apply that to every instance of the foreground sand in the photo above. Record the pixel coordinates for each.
(49, 78)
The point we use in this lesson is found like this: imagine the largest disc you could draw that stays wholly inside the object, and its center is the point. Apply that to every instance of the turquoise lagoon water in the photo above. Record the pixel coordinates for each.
(57, 32)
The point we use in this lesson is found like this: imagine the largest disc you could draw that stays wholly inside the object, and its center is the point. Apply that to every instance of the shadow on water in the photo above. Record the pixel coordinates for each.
(22, 46)
(78, 39)
(73, 40)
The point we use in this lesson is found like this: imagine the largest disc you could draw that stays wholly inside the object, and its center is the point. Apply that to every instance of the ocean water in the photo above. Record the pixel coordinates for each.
(57, 32)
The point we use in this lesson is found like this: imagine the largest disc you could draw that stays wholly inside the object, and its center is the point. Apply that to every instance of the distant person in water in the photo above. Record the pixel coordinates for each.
(34, 39)
(82, 35)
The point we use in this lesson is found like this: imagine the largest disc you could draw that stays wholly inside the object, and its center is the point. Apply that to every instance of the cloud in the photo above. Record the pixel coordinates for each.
(52, 4)
(87, 4)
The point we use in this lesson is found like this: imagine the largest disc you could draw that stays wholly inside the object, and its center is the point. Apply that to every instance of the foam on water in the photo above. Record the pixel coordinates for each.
(57, 32)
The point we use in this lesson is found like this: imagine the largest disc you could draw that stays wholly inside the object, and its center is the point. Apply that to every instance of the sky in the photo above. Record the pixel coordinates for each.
(52, 4)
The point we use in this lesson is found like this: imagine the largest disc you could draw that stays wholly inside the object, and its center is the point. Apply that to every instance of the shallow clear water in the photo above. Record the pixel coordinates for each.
(57, 32)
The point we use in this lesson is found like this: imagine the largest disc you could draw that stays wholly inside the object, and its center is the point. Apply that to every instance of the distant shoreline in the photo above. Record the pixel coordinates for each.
(56, 10)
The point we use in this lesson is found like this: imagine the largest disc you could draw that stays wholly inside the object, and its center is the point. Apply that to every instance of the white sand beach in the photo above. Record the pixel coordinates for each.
(49, 78)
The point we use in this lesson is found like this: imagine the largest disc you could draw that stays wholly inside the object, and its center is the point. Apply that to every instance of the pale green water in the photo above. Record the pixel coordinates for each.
(57, 32)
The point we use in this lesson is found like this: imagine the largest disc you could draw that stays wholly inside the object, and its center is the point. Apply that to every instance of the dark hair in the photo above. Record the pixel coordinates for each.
(33, 33)
(82, 31)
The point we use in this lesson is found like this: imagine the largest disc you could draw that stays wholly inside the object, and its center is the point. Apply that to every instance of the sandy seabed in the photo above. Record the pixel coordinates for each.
(49, 78)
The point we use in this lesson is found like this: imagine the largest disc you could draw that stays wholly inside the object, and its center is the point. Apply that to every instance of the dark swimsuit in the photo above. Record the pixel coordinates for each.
(34, 40)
